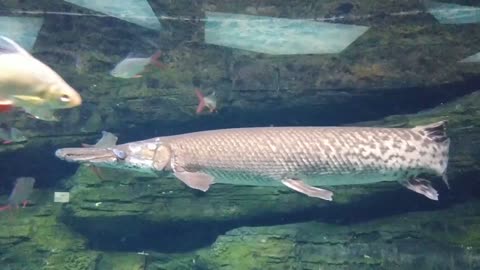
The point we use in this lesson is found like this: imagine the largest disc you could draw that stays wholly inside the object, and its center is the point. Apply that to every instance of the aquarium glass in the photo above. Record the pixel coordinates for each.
(239, 135)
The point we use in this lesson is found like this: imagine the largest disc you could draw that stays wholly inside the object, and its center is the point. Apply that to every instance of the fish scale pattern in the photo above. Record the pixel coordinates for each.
(319, 155)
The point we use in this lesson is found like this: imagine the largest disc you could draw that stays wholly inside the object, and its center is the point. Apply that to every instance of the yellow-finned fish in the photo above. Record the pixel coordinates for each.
(30, 84)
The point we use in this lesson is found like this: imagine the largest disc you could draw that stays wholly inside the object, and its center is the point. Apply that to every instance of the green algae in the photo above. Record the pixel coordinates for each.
(173, 77)
(122, 261)
(399, 242)
(36, 233)
(72, 261)
(250, 253)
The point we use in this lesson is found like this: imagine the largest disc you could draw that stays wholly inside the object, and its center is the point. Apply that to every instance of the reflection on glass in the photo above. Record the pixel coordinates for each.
(447, 13)
(471, 59)
(23, 30)
(279, 36)
(135, 11)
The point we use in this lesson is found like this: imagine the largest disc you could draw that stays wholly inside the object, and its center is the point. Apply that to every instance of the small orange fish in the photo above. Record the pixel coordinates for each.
(209, 101)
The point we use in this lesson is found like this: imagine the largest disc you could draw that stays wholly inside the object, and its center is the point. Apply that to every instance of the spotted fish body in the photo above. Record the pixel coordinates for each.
(298, 157)
(319, 156)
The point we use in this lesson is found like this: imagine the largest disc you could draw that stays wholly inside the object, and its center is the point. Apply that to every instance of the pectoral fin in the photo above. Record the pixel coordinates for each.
(421, 186)
(196, 180)
(308, 190)
(41, 113)
(35, 107)
(28, 100)
(96, 171)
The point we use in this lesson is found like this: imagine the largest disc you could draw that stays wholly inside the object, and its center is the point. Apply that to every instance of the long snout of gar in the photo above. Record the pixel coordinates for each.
(86, 155)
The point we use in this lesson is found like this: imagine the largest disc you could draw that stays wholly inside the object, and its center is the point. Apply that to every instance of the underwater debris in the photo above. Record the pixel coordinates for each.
(279, 36)
(61, 197)
(446, 13)
(24, 30)
(135, 11)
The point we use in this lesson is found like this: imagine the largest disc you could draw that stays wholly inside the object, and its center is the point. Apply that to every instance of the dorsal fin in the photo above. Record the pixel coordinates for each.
(9, 46)
(435, 131)
(107, 140)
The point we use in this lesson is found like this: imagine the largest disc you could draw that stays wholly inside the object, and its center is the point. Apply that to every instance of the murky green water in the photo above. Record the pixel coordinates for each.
(151, 68)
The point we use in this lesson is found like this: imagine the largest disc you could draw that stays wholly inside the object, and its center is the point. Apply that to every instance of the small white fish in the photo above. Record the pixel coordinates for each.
(30, 84)
(209, 101)
(132, 67)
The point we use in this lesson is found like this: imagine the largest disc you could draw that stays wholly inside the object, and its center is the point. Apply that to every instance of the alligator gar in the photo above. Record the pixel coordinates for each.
(304, 159)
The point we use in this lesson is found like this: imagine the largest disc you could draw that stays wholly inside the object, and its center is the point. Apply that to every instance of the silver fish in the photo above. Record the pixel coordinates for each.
(297, 157)
(132, 67)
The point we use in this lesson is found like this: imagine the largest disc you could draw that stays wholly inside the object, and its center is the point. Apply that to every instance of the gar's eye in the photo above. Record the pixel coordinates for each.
(65, 98)
(119, 154)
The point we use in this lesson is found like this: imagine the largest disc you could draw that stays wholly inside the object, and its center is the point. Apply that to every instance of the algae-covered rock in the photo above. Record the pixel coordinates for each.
(182, 217)
(122, 261)
(34, 238)
(426, 240)
(79, 260)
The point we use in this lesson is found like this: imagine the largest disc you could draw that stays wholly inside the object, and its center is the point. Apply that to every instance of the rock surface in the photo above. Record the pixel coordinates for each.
(444, 239)
(33, 238)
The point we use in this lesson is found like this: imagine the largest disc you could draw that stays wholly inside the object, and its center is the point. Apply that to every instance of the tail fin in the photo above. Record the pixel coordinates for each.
(437, 132)
(201, 101)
